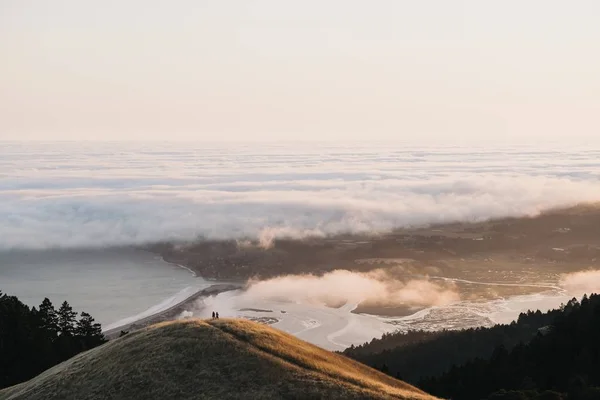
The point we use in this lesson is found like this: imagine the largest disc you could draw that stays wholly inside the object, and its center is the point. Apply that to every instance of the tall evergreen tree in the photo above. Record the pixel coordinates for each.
(32, 340)
(89, 331)
(48, 318)
(67, 319)
(16, 330)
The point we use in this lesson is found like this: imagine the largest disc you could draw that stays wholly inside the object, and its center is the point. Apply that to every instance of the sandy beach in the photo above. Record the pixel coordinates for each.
(172, 312)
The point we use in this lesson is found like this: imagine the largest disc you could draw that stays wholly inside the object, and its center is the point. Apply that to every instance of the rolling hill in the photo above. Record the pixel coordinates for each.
(208, 359)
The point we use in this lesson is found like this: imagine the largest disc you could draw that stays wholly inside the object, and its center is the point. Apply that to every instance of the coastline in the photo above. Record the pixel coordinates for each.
(171, 312)
(194, 273)
(499, 267)
(162, 258)
(237, 282)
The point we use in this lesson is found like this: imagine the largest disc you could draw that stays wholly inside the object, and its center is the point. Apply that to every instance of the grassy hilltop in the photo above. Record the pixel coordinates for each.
(206, 359)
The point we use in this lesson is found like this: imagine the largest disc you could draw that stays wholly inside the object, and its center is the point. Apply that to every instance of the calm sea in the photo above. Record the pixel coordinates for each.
(109, 284)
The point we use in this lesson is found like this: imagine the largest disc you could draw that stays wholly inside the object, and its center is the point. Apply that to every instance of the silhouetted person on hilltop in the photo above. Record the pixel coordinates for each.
(213, 315)
(217, 315)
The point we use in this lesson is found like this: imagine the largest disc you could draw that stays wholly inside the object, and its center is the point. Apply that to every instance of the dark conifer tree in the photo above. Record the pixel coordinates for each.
(16, 330)
(66, 319)
(89, 331)
(48, 318)
(32, 340)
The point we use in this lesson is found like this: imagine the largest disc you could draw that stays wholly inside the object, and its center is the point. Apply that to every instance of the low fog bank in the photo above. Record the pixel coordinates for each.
(379, 287)
(86, 220)
(583, 282)
(385, 287)
(112, 195)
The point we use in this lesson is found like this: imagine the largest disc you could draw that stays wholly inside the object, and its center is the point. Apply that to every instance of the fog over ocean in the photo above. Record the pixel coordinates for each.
(94, 194)
(63, 204)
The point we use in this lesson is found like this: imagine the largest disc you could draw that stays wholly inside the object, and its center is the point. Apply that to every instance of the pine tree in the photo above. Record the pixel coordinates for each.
(16, 339)
(48, 318)
(32, 340)
(66, 319)
(89, 331)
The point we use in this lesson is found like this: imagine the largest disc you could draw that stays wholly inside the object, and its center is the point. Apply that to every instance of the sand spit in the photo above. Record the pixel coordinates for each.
(171, 312)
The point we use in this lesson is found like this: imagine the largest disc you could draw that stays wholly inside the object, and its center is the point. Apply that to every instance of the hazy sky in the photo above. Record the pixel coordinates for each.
(273, 69)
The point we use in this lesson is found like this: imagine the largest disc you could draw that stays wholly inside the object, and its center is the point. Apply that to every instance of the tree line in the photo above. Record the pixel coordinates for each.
(35, 339)
(541, 356)
(413, 355)
(560, 362)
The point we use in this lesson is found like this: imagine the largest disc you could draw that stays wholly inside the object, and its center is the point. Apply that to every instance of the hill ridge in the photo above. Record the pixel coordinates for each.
(219, 325)
(225, 359)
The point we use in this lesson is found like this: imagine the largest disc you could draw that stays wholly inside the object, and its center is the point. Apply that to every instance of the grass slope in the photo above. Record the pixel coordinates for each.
(206, 359)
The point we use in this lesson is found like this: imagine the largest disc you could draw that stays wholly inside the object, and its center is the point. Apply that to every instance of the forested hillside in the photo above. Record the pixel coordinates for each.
(553, 355)
(564, 359)
(416, 354)
(34, 339)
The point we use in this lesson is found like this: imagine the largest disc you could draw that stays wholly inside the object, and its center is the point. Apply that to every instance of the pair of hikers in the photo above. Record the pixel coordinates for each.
(215, 315)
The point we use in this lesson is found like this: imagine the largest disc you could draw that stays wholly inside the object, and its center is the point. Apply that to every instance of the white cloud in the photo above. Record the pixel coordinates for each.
(70, 195)
(378, 287)
(582, 282)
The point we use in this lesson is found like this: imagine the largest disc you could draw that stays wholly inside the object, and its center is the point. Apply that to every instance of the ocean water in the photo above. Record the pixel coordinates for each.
(109, 284)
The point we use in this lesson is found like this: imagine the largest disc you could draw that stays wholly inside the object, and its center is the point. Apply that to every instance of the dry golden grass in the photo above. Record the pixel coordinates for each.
(215, 359)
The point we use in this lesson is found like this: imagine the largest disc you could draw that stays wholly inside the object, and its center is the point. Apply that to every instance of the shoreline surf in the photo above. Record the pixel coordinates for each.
(168, 313)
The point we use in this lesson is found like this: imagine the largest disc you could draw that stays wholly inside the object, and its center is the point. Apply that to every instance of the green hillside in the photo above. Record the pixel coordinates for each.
(208, 359)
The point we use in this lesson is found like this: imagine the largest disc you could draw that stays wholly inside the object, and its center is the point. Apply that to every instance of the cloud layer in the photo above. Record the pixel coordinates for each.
(339, 287)
(580, 283)
(102, 194)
